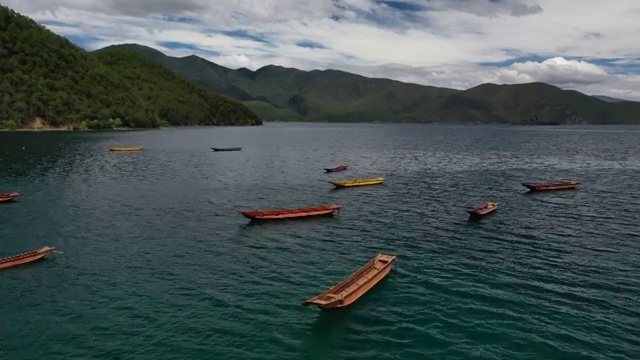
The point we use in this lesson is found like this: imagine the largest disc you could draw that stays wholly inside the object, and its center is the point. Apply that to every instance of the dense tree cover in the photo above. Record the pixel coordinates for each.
(45, 76)
(277, 93)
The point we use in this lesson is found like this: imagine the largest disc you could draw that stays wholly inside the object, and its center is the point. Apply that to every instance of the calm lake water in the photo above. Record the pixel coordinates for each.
(157, 263)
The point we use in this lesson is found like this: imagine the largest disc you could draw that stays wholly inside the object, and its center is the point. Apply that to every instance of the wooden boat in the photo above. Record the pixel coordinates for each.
(126, 149)
(227, 149)
(337, 168)
(357, 182)
(290, 213)
(359, 283)
(483, 210)
(25, 258)
(560, 185)
(8, 197)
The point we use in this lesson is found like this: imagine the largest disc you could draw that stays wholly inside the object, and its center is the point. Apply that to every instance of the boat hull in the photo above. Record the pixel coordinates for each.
(357, 182)
(4, 200)
(483, 210)
(281, 214)
(11, 194)
(126, 149)
(362, 291)
(337, 168)
(226, 149)
(8, 197)
(551, 186)
(354, 287)
(25, 258)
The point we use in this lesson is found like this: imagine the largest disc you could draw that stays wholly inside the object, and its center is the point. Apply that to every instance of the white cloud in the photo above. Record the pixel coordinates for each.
(556, 70)
(438, 44)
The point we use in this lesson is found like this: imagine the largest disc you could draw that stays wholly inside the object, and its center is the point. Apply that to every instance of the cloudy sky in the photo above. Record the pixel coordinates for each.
(587, 45)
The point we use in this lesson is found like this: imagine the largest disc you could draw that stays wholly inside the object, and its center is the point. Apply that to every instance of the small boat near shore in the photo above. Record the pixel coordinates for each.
(126, 149)
(483, 210)
(279, 214)
(359, 283)
(559, 185)
(8, 197)
(357, 182)
(337, 168)
(227, 149)
(25, 258)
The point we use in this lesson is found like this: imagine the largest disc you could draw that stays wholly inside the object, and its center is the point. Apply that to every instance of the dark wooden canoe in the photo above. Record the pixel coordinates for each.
(483, 210)
(227, 149)
(279, 214)
(337, 168)
(560, 185)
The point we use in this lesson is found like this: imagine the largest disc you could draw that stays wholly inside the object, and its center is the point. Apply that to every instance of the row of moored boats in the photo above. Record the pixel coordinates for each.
(345, 292)
(364, 279)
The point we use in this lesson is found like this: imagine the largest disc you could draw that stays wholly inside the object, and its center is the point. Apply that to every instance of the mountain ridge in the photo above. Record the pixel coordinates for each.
(278, 93)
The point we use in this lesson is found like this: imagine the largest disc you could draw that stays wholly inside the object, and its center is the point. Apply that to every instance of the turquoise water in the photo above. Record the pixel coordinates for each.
(157, 263)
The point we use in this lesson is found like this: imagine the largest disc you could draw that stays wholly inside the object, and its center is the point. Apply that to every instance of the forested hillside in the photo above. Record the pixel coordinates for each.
(46, 77)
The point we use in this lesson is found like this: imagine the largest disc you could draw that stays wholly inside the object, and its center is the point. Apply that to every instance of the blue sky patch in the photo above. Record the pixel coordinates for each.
(57, 23)
(310, 44)
(242, 34)
(180, 19)
(82, 40)
(402, 5)
(176, 45)
(511, 61)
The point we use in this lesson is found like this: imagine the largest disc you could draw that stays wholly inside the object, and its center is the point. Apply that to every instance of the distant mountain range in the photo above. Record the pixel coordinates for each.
(286, 94)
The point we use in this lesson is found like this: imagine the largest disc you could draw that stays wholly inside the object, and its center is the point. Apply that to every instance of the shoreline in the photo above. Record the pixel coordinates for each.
(63, 129)
(70, 129)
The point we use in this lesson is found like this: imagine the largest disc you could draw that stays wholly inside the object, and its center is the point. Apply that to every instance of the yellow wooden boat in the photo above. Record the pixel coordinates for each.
(357, 182)
(129, 149)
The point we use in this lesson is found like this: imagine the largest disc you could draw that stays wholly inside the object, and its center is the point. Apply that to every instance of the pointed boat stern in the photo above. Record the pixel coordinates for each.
(327, 301)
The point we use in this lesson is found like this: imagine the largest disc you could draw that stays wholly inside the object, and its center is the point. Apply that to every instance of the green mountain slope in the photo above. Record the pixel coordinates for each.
(46, 77)
(539, 103)
(277, 93)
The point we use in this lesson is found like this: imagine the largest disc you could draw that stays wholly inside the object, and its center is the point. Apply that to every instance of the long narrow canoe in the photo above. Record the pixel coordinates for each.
(483, 210)
(357, 182)
(8, 197)
(337, 168)
(25, 258)
(227, 149)
(559, 185)
(278, 214)
(127, 149)
(359, 283)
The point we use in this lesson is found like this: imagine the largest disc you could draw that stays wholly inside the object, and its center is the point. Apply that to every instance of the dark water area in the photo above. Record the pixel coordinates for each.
(157, 263)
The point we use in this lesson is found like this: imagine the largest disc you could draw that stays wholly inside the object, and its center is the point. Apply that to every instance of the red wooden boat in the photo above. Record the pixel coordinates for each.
(25, 258)
(483, 210)
(560, 185)
(290, 213)
(337, 168)
(8, 197)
